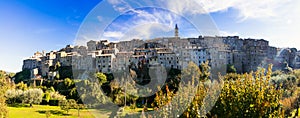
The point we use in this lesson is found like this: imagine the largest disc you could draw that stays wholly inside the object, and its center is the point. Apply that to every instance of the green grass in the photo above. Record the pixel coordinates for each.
(39, 111)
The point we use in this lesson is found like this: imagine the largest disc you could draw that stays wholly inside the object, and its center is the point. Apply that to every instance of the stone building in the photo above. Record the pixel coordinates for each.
(171, 52)
(297, 60)
(127, 46)
(122, 60)
(255, 54)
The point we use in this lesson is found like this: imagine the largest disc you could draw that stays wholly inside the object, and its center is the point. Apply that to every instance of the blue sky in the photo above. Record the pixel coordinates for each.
(27, 26)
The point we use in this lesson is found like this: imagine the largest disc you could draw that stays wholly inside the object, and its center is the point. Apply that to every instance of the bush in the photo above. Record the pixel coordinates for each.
(249, 96)
(66, 105)
(57, 96)
(33, 96)
(14, 96)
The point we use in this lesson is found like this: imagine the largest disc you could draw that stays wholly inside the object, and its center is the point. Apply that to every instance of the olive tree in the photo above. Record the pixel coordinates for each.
(33, 96)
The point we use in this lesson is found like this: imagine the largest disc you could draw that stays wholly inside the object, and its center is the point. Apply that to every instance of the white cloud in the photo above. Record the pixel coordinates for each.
(147, 31)
(120, 5)
(247, 9)
(113, 34)
(142, 24)
(182, 6)
(226, 33)
(83, 39)
(279, 19)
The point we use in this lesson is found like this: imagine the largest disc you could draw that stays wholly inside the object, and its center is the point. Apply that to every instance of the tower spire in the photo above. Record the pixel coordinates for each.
(176, 31)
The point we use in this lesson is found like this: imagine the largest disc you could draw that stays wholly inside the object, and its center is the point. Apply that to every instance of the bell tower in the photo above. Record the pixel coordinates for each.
(176, 31)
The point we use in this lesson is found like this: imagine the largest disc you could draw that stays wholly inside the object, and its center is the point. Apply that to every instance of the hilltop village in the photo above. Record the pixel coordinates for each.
(171, 52)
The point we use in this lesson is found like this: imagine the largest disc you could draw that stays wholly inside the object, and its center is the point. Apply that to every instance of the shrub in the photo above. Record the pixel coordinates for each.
(249, 96)
(33, 96)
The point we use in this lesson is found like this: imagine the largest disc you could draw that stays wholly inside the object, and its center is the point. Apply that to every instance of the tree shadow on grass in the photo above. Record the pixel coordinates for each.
(53, 112)
(17, 105)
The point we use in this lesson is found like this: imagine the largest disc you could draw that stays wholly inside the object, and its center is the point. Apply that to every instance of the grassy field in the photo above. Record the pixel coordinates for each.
(39, 111)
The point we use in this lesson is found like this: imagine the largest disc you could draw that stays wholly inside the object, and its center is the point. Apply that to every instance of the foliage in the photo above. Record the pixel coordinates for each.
(161, 100)
(231, 76)
(249, 96)
(68, 82)
(14, 96)
(65, 72)
(22, 76)
(33, 96)
(47, 96)
(119, 89)
(21, 86)
(286, 82)
(56, 96)
(101, 77)
(196, 91)
(91, 93)
(67, 88)
(192, 90)
(4, 85)
(230, 68)
(277, 72)
(191, 73)
(66, 105)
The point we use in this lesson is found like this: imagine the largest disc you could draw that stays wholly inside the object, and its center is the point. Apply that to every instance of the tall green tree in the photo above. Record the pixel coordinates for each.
(22, 76)
(251, 95)
(4, 85)
(91, 93)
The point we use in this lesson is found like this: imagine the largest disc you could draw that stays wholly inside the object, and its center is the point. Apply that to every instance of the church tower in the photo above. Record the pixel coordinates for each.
(176, 31)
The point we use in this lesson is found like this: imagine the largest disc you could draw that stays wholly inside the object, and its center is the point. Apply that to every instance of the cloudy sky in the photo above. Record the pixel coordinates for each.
(27, 26)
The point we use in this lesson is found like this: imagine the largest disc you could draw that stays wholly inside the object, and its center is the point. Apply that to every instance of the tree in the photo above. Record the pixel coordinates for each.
(21, 86)
(191, 73)
(100, 77)
(65, 72)
(91, 93)
(230, 68)
(79, 107)
(56, 96)
(14, 96)
(4, 85)
(251, 95)
(33, 96)
(190, 96)
(22, 76)
(66, 105)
